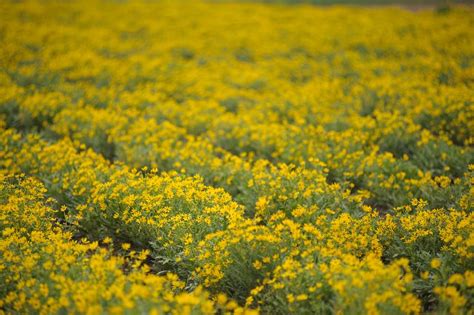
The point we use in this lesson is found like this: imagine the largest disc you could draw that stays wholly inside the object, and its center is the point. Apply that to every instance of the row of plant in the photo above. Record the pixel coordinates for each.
(224, 157)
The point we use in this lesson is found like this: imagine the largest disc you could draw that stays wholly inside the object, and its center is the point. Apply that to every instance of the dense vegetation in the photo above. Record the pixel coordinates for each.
(202, 157)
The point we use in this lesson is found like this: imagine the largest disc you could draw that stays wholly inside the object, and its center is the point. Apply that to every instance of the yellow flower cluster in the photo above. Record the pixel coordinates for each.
(209, 157)
(45, 271)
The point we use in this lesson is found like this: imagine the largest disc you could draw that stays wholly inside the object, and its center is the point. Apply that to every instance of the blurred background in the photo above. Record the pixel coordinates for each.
(365, 2)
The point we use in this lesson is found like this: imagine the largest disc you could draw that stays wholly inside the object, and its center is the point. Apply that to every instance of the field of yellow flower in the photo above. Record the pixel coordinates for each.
(205, 157)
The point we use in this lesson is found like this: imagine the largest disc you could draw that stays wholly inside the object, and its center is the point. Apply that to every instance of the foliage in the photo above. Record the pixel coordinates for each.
(203, 157)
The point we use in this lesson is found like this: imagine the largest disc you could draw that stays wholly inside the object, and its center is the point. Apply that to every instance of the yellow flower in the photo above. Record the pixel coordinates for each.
(125, 246)
(435, 263)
